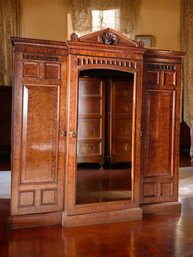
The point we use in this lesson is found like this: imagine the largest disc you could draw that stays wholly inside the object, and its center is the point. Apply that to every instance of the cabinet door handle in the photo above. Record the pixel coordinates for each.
(63, 133)
(72, 134)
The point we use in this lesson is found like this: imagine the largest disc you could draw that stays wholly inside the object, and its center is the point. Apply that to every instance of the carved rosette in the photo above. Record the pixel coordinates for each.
(108, 38)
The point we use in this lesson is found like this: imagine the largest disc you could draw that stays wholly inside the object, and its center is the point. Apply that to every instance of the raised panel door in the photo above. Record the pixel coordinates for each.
(120, 120)
(39, 147)
(91, 120)
(159, 134)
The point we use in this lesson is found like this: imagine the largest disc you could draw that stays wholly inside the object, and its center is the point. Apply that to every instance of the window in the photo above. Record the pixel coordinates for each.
(105, 19)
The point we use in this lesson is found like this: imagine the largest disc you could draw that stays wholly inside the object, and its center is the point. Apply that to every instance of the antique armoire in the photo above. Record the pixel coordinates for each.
(94, 131)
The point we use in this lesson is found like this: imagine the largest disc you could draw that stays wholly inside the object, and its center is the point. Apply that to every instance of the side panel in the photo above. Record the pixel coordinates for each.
(38, 157)
(160, 133)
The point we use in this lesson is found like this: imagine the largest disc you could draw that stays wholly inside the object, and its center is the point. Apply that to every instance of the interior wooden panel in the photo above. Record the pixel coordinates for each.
(26, 198)
(89, 128)
(87, 90)
(31, 69)
(48, 196)
(125, 130)
(158, 133)
(122, 149)
(121, 140)
(88, 149)
(52, 71)
(169, 78)
(121, 120)
(40, 136)
(153, 77)
(91, 99)
(115, 115)
(149, 189)
(167, 189)
(90, 106)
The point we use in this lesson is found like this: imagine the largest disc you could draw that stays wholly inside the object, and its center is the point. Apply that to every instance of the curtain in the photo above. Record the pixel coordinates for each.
(81, 14)
(187, 46)
(9, 26)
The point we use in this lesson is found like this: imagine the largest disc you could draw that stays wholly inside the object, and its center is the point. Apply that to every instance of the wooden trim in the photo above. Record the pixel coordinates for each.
(101, 218)
(162, 208)
(34, 220)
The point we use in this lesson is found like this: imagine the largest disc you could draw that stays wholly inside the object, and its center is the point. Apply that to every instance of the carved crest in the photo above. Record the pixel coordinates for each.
(107, 36)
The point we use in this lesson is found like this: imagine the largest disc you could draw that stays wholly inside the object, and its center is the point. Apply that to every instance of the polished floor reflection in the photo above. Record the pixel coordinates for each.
(154, 236)
(103, 184)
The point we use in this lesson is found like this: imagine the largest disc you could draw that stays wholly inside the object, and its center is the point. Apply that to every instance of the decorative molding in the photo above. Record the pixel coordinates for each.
(40, 58)
(91, 61)
(162, 67)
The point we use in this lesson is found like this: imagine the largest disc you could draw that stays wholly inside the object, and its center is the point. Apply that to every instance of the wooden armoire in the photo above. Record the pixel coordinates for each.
(99, 98)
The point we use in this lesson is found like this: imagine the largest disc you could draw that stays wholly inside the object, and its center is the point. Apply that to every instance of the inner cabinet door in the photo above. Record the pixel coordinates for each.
(39, 115)
(120, 121)
(91, 121)
(160, 152)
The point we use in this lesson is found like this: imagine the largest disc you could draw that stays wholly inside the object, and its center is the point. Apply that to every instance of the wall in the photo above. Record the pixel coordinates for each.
(43, 19)
(46, 19)
(161, 19)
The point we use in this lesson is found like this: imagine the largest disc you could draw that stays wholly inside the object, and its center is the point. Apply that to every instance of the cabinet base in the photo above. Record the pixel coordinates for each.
(101, 218)
(34, 220)
(58, 218)
(162, 208)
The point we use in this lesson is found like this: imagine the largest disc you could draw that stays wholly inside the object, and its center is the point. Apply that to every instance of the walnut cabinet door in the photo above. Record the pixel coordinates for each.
(38, 135)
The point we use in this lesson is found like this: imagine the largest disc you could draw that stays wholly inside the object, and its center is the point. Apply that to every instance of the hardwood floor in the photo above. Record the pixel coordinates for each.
(154, 236)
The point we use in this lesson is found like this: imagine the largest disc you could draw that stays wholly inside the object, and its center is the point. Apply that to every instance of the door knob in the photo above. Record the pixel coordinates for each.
(72, 134)
(63, 133)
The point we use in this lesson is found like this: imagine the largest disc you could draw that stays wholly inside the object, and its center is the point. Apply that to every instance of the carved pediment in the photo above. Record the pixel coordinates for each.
(107, 36)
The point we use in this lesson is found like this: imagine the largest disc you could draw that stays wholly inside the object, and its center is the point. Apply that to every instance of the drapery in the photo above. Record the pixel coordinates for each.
(9, 26)
(81, 14)
(187, 46)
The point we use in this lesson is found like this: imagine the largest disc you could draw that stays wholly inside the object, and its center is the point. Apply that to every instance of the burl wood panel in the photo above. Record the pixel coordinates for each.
(158, 134)
(40, 133)
(40, 149)
(159, 119)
